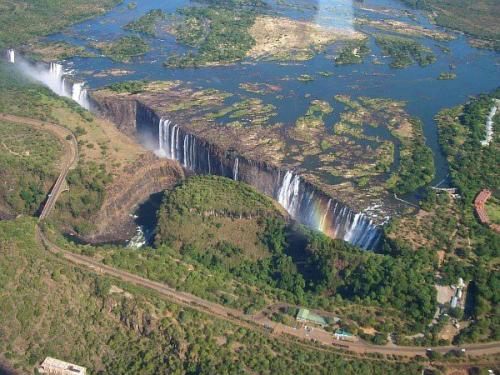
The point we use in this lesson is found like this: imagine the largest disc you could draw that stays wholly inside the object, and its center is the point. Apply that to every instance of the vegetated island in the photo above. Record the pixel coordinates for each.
(147, 23)
(220, 34)
(479, 19)
(123, 49)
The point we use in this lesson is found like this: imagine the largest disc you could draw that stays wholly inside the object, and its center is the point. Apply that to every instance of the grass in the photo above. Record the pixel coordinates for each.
(493, 210)
(22, 21)
(28, 167)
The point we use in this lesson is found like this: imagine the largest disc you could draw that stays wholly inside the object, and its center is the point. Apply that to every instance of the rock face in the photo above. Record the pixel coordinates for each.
(303, 201)
(146, 176)
(122, 113)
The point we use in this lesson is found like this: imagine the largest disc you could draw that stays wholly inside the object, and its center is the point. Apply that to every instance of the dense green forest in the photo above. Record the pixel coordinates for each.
(146, 24)
(218, 34)
(119, 329)
(309, 267)
(124, 48)
(416, 165)
(475, 167)
(21, 21)
(404, 52)
(27, 167)
(478, 18)
(352, 53)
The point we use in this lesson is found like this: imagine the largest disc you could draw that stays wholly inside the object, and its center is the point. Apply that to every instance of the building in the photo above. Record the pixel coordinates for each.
(306, 316)
(479, 203)
(341, 334)
(55, 366)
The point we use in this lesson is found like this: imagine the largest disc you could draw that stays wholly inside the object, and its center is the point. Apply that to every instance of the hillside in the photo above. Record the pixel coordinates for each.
(119, 329)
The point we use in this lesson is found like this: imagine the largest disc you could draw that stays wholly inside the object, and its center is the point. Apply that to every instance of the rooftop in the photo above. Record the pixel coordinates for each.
(306, 315)
(55, 366)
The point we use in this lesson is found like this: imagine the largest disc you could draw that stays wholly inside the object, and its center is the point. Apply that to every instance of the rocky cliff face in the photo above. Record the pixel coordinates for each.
(189, 146)
(146, 176)
(120, 112)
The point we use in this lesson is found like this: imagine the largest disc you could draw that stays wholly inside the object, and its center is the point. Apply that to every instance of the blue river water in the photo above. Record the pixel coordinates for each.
(477, 70)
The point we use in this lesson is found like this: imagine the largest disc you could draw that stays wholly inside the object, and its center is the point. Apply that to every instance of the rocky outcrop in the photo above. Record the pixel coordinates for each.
(148, 175)
(120, 112)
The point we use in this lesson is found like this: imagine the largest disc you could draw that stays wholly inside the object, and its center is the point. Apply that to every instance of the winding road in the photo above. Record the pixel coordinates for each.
(257, 321)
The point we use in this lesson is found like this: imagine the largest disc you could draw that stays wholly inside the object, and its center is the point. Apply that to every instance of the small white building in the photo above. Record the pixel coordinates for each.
(55, 366)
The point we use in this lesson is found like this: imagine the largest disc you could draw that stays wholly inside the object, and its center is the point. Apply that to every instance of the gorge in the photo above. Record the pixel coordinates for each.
(304, 202)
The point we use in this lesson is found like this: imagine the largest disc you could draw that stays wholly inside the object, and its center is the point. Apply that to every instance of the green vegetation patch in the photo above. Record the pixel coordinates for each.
(226, 216)
(124, 48)
(131, 87)
(219, 35)
(315, 114)
(21, 21)
(352, 52)
(117, 328)
(147, 23)
(493, 210)
(248, 112)
(54, 51)
(461, 130)
(478, 18)
(405, 52)
(28, 167)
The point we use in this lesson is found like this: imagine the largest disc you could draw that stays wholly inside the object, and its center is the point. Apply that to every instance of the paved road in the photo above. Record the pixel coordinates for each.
(70, 160)
(235, 316)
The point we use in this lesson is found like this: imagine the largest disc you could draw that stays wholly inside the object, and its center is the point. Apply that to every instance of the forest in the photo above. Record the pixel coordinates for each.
(475, 167)
(120, 329)
(218, 34)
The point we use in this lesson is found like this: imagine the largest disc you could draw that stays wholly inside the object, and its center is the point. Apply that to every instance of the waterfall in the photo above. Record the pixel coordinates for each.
(342, 222)
(12, 56)
(54, 77)
(235, 169)
(301, 200)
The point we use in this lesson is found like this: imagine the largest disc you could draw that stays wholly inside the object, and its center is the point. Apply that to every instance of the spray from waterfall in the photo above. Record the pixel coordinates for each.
(300, 202)
(54, 77)
(299, 199)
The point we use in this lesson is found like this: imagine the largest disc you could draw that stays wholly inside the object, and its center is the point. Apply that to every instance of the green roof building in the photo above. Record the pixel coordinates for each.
(304, 315)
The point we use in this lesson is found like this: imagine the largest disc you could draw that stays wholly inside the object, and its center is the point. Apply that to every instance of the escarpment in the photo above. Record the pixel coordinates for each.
(179, 123)
(147, 175)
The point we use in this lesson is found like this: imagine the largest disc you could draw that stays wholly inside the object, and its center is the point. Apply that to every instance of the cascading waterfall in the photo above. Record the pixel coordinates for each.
(54, 77)
(301, 200)
(12, 56)
(235, 169)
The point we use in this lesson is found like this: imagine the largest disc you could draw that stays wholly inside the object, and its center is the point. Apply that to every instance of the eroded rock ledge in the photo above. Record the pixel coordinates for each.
(147, 175)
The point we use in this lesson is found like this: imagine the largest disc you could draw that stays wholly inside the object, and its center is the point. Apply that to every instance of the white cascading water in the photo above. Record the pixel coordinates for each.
(54, 78)
(235, 169)
(299, 201)
(356, 228)
(173, 145)
(12, 56)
